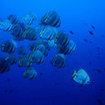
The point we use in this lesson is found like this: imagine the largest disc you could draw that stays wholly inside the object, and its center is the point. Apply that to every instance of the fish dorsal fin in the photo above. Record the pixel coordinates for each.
(74, 73)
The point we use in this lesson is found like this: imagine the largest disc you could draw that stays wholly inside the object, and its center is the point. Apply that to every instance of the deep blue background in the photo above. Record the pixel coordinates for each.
(55, 86)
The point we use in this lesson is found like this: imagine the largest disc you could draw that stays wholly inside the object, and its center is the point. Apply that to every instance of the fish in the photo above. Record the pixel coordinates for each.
(30, 73)
(99, 101)
(6, 91)
(8, 80)
(91, 33)
(93, 27)
(81, 77)
(71, 32)
(98, 70)
(85, 40)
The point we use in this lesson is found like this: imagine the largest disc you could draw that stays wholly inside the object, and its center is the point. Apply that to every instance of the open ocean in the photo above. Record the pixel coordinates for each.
(84, 22)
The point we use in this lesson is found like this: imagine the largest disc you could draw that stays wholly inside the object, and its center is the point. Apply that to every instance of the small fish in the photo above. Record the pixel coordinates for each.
(99, 101)
(93, 27)
(85, 40)
(81, 77)
(91, 33)
(71, 32)
(8, 80)
(98, 70)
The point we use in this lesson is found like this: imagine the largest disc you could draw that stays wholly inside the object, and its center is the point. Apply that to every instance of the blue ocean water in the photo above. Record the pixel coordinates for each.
(55, 86)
